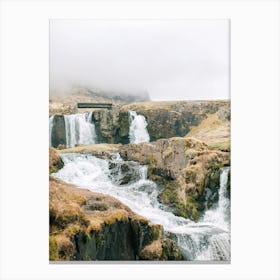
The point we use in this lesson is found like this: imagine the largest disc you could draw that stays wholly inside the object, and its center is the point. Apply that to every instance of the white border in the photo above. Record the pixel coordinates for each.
(255, 137)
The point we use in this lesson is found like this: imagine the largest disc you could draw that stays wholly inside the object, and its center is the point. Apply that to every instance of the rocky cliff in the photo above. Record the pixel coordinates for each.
(58, 133)
(175, 118)
(112, 126)
(90, 226)
(186, 169)
(165, 120)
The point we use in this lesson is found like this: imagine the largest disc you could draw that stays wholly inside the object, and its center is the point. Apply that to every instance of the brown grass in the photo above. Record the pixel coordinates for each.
(152, 251)
(91, 149)
(213, 131)
(70, 214)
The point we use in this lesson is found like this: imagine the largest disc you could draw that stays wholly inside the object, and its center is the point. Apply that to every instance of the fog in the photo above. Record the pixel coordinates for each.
(171, 59)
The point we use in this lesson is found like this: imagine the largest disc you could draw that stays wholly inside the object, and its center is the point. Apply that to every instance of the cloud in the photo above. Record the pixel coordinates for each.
(172, 59)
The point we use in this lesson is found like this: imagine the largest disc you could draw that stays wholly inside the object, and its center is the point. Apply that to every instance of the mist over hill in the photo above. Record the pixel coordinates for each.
(65, 99)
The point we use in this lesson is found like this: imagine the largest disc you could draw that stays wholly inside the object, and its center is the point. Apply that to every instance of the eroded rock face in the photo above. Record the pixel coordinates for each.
(58, 136)
(186, 169)
(165, 120)
(90, 226)
(112, 126)
(169, 119)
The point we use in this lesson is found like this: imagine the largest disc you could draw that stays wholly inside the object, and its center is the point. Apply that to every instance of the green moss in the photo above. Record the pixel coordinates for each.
(53, 249)
(221, 145)
(156, 231)
(191, 210)
(97, 240)
(181, 210)
(169, 194)
(152, 160)
(88, 237)
(53, 168)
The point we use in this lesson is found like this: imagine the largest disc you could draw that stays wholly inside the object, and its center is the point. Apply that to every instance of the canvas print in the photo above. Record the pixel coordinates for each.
(139, 141)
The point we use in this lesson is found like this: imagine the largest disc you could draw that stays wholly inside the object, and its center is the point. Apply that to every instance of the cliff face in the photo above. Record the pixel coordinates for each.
(112, 126)
(169, 119)
(58, 134)
(186, 170)
(165, 120)
(92, 226)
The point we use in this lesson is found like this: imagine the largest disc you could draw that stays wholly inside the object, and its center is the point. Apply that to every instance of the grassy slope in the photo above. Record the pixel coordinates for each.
(213, 131)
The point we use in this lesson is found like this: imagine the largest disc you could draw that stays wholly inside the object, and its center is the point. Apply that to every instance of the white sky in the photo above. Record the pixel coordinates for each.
(172, 59)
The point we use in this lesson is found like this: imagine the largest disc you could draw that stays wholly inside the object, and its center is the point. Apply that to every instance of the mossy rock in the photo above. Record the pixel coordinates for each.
(228, 185)
(170, 250)
(53, 250)
(55, 161)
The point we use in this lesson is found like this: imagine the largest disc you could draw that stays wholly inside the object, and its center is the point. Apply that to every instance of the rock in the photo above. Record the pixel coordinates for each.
(152, 251)
(58, 136)
(228, 184)
(55, 162)
(171, 250)
(184, 168)
(112, 126)
(168, 119)
(165, 120)
(166, 250)
(124, 172)
(90, 226)
(61, 147)
(104, 150)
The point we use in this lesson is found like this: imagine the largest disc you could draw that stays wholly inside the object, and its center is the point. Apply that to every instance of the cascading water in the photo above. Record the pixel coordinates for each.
(138, 132)
(208, 239)
(79, 129)
(212, 242)
(50, 130)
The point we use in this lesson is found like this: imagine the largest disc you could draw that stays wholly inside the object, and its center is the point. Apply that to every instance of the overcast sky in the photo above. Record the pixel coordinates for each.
(172, 59)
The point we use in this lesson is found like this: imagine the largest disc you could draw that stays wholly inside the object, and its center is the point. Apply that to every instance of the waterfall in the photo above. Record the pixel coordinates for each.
(213, 242)
(50, 130)
(138, 132)
(79, 129)
(208, 239)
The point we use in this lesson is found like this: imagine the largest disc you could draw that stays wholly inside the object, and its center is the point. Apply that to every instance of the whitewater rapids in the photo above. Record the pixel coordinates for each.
(206, 240)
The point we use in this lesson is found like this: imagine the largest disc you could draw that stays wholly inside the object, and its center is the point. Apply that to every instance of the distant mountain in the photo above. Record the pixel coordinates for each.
(65, 100)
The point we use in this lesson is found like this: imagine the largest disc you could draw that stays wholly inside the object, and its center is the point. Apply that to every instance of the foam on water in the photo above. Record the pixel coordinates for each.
(138, 132)
(208, 239)
(79, 129)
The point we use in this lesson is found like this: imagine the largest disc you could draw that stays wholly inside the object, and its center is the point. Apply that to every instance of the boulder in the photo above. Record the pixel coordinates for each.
(55, 161)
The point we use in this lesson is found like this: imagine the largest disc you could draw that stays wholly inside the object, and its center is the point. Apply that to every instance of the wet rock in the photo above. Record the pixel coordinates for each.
(58, 136)
(124, 172)
(186, 170)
